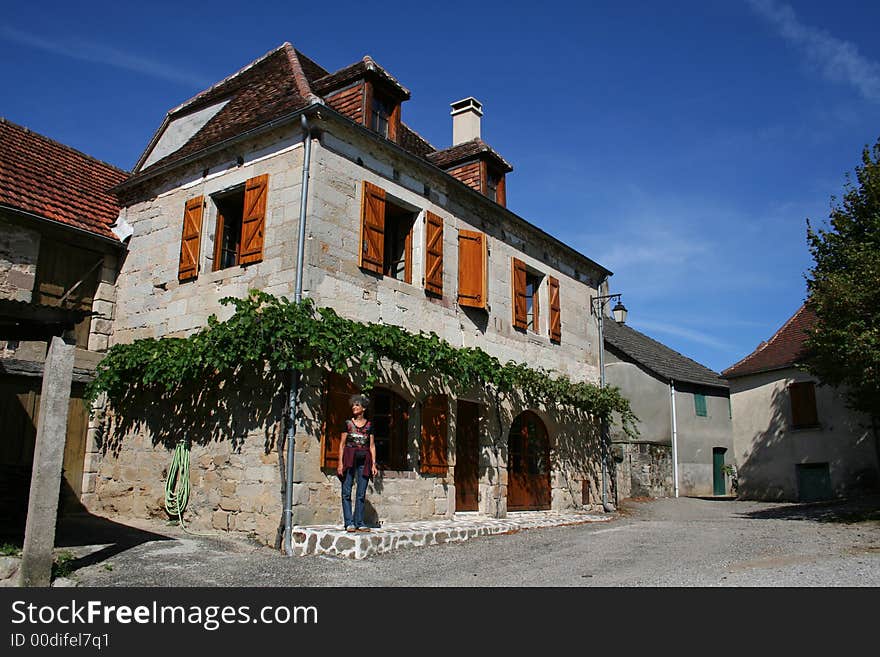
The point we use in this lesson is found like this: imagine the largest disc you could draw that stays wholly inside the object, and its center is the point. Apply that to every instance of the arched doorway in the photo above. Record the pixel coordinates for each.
(528, 464)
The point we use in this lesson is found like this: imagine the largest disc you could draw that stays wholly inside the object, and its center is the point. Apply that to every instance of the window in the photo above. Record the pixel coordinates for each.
(390, 414)
(803, 405)
(700, 404)
(381, 112)
(433, 446)
(386, 235)
(495, 189)
(526, 304)
(241, 213)
(227, 237)
(473, 258)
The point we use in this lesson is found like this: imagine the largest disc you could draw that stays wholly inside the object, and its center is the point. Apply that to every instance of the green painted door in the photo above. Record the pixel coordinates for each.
(814, 482)
(718, 483)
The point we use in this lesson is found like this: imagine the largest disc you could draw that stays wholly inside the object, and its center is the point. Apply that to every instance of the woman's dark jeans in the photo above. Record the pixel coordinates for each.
(351, 474)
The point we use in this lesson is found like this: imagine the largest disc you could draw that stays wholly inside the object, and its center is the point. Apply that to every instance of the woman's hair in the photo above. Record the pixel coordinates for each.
(363, 400)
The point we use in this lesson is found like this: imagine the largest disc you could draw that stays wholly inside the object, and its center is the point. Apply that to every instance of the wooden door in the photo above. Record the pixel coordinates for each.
(467, 456)
(528, 464)
(718, 484)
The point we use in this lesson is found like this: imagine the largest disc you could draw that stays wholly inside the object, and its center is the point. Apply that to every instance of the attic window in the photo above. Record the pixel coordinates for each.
(495, 186)
(381, 113)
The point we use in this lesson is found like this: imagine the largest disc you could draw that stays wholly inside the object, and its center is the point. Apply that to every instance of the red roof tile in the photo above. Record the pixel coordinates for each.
(784, 349)
(476, 147)
(41, 176)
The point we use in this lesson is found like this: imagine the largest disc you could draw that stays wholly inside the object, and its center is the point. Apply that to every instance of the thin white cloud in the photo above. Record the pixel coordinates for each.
(838, 60)
(96, 53)
(679, 331)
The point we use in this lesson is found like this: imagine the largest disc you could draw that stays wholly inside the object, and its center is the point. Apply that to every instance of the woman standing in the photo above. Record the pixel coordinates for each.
(357, 463)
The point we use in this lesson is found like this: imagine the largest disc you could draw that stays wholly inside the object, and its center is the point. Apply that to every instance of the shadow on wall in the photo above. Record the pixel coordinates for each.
(768, 471)
(227, 407)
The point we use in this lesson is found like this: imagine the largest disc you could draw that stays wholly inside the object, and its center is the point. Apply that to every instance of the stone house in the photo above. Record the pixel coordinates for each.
(397, 232)
(795, 438)
(685, 426)
(58, 263)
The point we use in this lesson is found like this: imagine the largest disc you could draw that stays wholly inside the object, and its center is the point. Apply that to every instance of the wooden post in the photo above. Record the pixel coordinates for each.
(39, 534)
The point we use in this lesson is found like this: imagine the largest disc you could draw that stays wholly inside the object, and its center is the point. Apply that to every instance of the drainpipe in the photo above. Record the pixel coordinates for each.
(674, 438)
(604, 428)
(295, 374)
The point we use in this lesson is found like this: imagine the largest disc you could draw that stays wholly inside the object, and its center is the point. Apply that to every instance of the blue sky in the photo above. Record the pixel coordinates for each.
(682, 145)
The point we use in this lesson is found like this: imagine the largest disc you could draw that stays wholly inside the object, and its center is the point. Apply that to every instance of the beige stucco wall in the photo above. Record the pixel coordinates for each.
(129, 474)
(768, 449)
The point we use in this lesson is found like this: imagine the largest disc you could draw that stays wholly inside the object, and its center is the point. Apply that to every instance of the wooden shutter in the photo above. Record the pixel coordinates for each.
(518, 281)
(434, 254)
(253, 220)
(337, 391)
(700, 404)
(472, 274)
(372, 249)
(803, 405)
(191, 239)
(555, 313)
(432, 450)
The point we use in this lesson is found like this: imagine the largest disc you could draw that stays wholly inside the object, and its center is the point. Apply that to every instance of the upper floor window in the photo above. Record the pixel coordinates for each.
(526, 300)
(386, 235)
(803, 405)
(227, 235)
(700, 404)
(495, 186)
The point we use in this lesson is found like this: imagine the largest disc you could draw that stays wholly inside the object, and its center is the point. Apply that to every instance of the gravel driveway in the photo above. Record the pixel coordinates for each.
(683, 542)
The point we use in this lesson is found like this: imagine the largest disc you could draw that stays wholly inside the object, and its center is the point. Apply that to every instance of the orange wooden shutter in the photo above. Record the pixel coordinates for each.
(253, 220)
(555, 314)
(337, 391)
(191, 239)
(472, 261)
(372, 249)
(520, 308)
(434, 254)
(432, 449)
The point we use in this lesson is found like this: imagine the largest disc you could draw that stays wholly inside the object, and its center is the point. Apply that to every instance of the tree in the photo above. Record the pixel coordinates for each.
(843, 348)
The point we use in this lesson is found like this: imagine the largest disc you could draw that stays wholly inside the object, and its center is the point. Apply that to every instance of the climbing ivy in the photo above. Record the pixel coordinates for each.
(280, 335)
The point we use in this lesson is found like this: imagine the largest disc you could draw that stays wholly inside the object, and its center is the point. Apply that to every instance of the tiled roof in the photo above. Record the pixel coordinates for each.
(657, 357)
(465, 151)
(357, 71)
(782, 350)
(46, 178)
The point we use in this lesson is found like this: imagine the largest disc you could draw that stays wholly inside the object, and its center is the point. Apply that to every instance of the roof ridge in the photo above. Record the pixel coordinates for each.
(299, 76)
(63, 146)
(767, 343)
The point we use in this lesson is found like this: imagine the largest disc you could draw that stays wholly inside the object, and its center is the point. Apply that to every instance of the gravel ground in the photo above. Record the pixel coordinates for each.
(658, 543)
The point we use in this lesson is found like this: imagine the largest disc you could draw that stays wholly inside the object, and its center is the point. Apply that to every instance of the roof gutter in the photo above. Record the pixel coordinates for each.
(109, 241)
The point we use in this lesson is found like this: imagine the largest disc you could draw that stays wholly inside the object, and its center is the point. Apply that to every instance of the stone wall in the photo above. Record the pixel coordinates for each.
(19, 248)
(643, 470)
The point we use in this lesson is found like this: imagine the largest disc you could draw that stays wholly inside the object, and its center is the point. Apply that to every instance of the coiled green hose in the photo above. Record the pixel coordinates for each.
(177, 483)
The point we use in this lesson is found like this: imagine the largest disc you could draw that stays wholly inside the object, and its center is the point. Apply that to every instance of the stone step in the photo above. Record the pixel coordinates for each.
(333, 540)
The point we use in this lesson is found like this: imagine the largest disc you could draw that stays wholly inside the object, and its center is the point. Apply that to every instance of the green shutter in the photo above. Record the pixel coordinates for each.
(700, 404)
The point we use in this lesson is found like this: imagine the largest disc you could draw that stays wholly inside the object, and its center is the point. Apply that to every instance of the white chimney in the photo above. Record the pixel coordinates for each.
(466, 115)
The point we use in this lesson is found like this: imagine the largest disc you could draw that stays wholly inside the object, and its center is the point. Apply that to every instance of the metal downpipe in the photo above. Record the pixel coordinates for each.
(294, 374)
(674, 439)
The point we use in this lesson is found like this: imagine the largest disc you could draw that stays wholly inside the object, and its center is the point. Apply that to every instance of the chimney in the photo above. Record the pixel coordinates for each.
(466, 115)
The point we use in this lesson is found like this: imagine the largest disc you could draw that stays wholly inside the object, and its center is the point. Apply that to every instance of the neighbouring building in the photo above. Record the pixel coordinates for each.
(795, 438)
(684, 419)
(58, 260)
(398, 232)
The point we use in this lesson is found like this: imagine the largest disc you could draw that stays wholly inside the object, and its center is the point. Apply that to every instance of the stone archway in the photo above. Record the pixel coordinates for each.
(528, 464)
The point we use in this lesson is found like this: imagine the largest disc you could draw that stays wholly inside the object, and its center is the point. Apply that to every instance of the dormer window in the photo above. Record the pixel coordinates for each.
(495, 186)
(381, 115)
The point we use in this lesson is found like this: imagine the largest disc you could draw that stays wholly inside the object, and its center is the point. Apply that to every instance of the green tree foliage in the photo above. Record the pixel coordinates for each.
(278, 335)
(843, 349)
